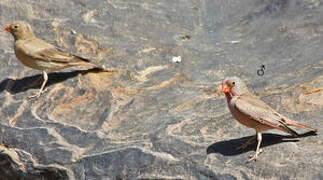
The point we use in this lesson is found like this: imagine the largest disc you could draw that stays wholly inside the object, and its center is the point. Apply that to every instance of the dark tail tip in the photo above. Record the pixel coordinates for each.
(288, 130)
(314, 131)
(295, 135)
(83, 59)
(292, 132)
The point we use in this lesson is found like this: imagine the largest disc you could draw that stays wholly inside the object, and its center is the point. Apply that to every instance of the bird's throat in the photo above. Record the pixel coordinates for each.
(228, 96)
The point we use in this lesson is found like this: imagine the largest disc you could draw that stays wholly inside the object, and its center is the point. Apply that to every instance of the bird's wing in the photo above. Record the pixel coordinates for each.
(47, 52)
(261, 112)
(55, 55)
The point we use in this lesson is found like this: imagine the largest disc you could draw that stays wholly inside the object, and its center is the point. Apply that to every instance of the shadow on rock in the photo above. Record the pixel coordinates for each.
(228, 148)
(34, 82)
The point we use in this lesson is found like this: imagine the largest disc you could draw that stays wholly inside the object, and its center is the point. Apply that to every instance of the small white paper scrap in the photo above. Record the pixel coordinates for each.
(177, 59)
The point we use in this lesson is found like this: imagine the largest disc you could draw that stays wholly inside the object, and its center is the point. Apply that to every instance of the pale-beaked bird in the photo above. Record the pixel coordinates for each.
(38, 54)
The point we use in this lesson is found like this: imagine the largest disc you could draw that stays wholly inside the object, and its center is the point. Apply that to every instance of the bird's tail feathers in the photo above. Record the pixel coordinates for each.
(83, 59)
(99, 68)
(289, 130)
(290, 122)
(87, 62)
(301, 126)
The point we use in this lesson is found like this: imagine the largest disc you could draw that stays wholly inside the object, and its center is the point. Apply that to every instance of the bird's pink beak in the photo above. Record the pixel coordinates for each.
(8, 29)
(225, 88)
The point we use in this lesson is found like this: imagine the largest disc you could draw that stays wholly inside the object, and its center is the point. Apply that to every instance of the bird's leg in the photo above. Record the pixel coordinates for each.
(258, 150)
(44, 83)
(41, 90)
(247, 143)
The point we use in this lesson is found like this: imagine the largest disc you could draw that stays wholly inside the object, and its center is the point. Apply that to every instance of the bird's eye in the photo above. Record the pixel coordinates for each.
(233, 83)
(15, 26)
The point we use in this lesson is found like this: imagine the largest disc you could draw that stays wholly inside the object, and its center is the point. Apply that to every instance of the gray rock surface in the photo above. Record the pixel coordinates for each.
(152, 118)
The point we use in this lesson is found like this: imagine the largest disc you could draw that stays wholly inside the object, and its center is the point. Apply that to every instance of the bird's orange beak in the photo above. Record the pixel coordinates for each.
(8, 29)
(225, 88)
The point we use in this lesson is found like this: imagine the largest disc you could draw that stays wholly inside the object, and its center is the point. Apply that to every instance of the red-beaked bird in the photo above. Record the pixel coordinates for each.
(250, 111)
(38, 54)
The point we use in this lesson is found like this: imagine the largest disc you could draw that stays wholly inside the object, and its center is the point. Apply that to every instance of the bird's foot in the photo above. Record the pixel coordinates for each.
(254, 157)
(37, 95)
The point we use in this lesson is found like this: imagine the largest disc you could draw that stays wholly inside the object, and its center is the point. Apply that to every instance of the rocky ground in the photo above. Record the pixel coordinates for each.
(152, 118)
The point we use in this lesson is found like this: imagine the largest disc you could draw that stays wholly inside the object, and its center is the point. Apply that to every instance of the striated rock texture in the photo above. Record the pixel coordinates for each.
(152, 118)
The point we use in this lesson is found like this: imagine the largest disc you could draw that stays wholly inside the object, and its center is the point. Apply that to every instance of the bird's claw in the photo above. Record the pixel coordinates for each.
(37, 95)
(254, 157)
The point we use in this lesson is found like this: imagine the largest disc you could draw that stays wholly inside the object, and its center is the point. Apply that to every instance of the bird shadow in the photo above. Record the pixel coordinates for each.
(228, 148)
(14, 86)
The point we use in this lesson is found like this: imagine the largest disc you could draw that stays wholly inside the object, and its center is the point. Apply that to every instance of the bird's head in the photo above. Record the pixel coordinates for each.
(20, 30)
(234, 86)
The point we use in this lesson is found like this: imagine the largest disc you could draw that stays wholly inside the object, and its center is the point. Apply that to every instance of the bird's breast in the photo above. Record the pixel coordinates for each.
(24, 54)
(242, 117)
(27, 60)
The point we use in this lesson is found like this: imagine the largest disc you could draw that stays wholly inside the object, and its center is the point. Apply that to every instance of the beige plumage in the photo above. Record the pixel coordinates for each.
(254, 113)
(38, 54)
